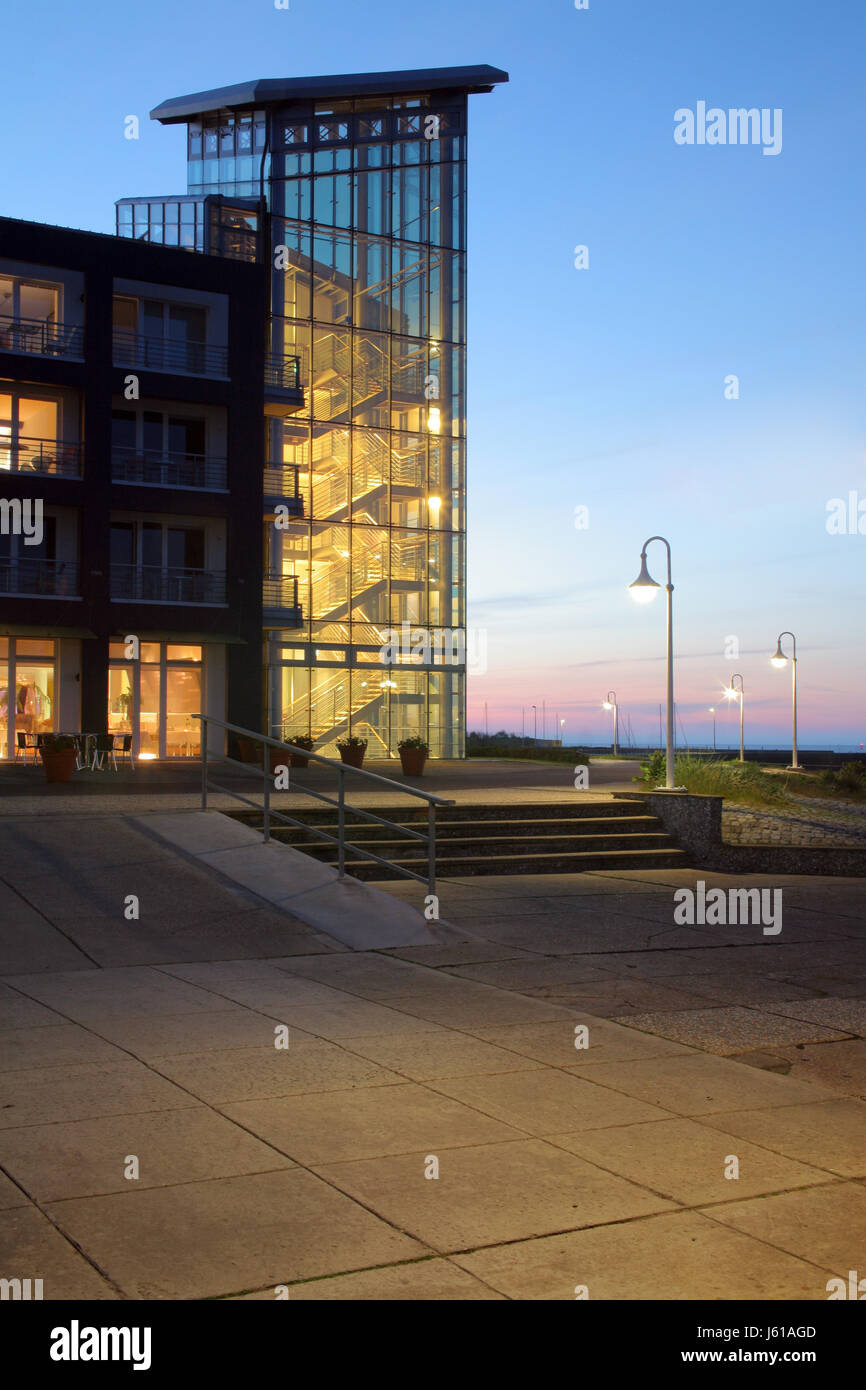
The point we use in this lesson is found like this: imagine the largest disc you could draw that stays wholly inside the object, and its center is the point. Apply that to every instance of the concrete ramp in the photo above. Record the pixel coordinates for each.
(357, 914)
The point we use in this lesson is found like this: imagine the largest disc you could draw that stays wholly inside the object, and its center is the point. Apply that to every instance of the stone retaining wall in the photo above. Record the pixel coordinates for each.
(696, 821)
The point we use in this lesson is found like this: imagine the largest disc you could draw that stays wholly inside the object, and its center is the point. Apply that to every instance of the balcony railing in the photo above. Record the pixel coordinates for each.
(150, 584)
(41, 578)
(167, 468)
(282, 484)
(281, 595)
(169, 355)
(53, 456)
(283, 373)
(40, 337)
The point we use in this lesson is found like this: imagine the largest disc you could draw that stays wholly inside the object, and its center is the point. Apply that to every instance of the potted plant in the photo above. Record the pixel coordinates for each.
(58, 756)
(413, 755)
(300, 741)
(352, 750)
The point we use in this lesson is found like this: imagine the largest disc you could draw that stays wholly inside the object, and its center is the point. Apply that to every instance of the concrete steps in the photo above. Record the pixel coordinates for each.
(503, 839)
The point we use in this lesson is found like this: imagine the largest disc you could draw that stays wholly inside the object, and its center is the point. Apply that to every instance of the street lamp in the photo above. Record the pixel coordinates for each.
(713, 713)
(779, 660)
(736, 692)
(610, 703)
(644, 590)
(534, 709)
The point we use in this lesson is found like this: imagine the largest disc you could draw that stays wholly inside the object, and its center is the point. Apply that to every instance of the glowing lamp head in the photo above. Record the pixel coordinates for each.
(779, 659)
(606, 704)
(644, 588)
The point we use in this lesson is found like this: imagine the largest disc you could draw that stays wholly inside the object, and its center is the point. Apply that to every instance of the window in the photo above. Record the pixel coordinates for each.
(156, 699)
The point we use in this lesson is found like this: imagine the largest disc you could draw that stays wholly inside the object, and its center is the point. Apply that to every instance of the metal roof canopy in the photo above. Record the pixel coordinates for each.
(267, 90)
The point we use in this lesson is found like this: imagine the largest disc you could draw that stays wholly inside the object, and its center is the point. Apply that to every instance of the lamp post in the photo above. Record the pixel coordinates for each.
(644, 590)
(534, 709)
(779, 660)
(561, 734)
(610, 703)
(736, 692)
(713, 713)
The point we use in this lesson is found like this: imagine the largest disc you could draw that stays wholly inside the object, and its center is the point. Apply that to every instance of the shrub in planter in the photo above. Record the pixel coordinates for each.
(352, 750)
(297, 759)
(58, 757)
(413, 755)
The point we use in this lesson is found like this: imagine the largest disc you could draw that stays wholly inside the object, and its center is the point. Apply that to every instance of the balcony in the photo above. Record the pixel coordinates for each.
(150, 584)
(52, 457)
(169, 355)
(40, 338)
(39, 578)
(281, 487)
(284, 394)
(164, 468)
(280, 601)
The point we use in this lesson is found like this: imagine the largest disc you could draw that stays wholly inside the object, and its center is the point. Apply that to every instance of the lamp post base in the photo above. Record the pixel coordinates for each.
(669, 789)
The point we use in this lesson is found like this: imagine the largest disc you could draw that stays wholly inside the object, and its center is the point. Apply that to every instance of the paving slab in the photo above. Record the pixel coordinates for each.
(726, 1031)
(686, 1161)
(704, 1085)
(433, 1280)
(823, 1224)
(545, 1102)
(38, 1095)
(63, 1044)
(670, 1257)
(85, 994)
(253, 1073)
(367, 1123)
(207, 1239)
(87, 1157)
(472, 1201)
(29, 1243)
(848, 1015)
(471, 1006)
(581, 1040)
(153, 1036)
(838, 1066)
(828, 1134)
(424, 1056)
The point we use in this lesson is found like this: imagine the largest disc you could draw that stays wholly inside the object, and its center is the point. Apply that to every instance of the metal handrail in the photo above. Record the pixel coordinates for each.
(169, 354)
(167, 468)
(26, 454)
(341, 770)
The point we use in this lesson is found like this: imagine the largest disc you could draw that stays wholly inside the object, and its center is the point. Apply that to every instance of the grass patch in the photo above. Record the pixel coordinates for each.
(747, 784)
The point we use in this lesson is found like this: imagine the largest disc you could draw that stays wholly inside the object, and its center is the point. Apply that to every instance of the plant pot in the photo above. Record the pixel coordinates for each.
(247, 750)
(298, 760)
(279, 757)
(59, 764)
(413, 760)
(353, 757)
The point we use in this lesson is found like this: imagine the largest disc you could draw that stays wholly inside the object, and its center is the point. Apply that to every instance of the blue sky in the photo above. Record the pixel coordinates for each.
(602, 387)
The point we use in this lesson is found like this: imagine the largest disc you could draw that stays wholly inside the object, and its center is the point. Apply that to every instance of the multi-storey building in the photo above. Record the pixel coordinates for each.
(353, 191)
(130, 488)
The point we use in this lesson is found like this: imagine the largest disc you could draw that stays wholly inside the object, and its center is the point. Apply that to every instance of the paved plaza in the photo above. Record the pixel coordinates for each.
(560, 1088)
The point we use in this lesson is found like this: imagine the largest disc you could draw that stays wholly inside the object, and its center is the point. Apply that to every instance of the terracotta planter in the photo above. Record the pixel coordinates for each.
(59, 764)
(247, 750)
(279, 757)
(353, 757)
(298, 760)
(413, 760)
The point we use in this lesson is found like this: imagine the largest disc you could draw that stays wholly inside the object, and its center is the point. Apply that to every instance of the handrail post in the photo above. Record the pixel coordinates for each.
(341, 823)
(204, 762)
(431, 848)
(266, 798)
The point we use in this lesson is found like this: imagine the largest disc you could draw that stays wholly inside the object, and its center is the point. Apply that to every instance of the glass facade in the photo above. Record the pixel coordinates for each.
(367, 217)
(154, 699)
(27, 691)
